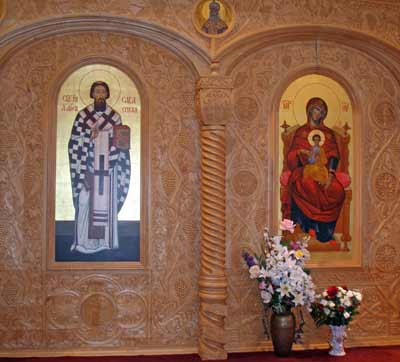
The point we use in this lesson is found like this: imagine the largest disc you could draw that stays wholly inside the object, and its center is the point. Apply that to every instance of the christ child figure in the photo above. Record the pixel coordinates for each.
(316, 167)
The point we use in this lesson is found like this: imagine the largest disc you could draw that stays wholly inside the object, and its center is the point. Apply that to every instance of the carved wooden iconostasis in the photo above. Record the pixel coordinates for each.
(211, 101)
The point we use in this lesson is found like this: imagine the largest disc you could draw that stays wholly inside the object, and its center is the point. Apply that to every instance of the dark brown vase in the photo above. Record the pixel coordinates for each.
(282, 333)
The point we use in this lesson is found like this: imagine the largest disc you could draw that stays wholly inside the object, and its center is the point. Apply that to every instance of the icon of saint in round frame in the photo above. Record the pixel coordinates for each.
(213, 18)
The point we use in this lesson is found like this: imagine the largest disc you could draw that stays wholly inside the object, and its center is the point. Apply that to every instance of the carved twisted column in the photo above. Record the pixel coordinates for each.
(214, 100)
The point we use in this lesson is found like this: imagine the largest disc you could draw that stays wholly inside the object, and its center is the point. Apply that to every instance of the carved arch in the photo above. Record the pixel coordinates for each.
(231, 54)
(193, 55)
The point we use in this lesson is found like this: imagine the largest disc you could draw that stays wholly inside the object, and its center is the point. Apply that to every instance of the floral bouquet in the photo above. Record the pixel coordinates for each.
(283, 281)
(336, 306)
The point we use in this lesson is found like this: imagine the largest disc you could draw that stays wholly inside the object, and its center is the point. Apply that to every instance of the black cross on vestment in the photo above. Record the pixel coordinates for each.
(101, 172)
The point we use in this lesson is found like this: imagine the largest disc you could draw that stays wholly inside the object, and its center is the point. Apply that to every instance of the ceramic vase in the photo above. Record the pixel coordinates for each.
(282, 333)
(338, 333)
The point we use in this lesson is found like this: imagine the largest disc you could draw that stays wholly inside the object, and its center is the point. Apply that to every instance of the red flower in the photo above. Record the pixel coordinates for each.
(341, 309)
(332, 242)
(312, 232)
(332, 291)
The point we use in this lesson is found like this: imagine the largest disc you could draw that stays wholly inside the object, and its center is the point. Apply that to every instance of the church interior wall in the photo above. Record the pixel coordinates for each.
(154, 309)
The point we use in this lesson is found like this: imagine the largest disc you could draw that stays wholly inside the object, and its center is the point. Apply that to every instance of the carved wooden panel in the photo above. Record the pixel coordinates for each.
(68, 310)
(157, 308)
(258, 79)
(99, 309)
(377, 18)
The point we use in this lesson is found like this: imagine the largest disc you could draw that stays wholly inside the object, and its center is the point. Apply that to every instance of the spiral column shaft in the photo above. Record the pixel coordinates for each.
(212, 280)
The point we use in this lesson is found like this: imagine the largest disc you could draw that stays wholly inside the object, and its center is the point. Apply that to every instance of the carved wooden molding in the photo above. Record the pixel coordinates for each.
(212, 281)
(233, 53)
(192, 54)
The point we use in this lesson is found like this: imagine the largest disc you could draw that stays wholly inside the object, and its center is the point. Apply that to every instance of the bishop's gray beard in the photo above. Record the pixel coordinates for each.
(100, 105)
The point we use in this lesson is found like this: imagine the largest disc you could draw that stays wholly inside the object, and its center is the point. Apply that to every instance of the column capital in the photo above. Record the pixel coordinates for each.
(214, 100)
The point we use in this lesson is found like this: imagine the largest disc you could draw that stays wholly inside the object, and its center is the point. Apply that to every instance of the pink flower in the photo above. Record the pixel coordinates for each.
(294, 245)
(288, 225)
(262, 285)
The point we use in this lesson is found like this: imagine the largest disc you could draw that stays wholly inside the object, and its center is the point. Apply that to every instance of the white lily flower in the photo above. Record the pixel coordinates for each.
(285, 290)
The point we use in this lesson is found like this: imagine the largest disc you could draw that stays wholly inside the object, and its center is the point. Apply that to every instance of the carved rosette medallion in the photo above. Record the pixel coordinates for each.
(244, 183)
(384, 115)
(132, 310)
(386, 257)
(246, 110)
(386, 186)
(97, 310)
(12, 290)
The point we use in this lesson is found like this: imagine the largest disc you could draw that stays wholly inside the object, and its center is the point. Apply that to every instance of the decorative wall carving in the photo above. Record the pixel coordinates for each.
(254, 15)
(158, 306)
(259, 78)
(384, 114)
(364, 16)
(99, 309)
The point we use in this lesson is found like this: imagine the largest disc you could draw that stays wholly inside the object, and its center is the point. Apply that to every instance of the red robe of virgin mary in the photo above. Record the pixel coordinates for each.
(315, 205)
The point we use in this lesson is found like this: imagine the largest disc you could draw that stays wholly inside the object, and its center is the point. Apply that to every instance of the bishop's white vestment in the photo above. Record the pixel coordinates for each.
(100, 176)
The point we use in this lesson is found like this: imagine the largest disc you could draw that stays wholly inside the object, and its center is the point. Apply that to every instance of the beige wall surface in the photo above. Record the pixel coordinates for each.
(155, 308)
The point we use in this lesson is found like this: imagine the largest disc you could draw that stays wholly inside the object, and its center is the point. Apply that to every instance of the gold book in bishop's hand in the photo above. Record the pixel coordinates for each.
(122, 137)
